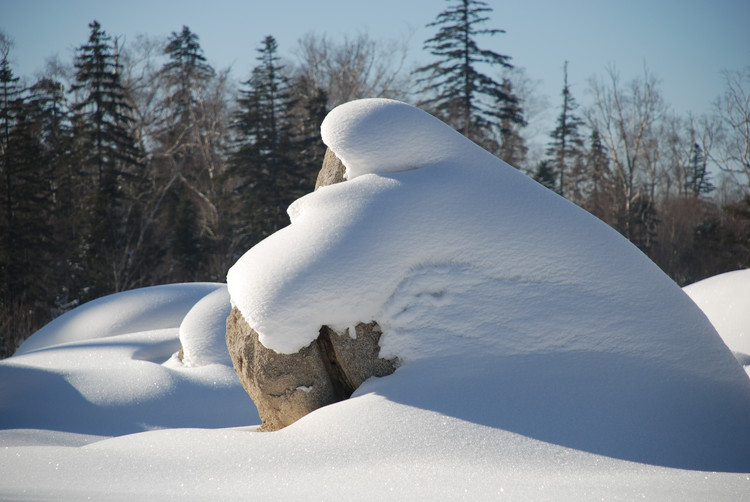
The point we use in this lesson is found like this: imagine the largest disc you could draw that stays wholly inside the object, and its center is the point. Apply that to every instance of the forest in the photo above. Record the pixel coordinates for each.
(140, 164)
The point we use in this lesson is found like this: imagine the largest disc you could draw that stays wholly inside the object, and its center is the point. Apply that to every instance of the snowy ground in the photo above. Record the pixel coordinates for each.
(543, 357)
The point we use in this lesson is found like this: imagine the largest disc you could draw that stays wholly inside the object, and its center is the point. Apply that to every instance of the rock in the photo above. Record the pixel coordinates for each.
(332, 171)
(354, 360)
(283, 387)
(286, 387)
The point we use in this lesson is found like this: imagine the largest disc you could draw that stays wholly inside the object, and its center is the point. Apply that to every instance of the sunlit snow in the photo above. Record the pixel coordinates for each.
(725, 299)
(541, 355)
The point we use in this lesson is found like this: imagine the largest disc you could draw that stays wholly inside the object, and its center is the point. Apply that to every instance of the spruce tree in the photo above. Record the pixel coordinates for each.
(699, 179)
(566, 148)
(186, 159)
(545, 175)
(265, 171)
(48, 111)
(11, 105)
(109, 159)
(27, 246)
(457, 89)
(510, 120)
(600, 198)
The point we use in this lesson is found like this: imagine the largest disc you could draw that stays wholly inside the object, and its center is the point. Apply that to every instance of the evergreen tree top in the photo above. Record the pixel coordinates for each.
(459, 92)
(458, 26)
(185, 53)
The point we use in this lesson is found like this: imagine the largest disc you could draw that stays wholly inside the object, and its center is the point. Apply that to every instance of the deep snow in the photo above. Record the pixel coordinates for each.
(725, 299)
(484, 280)
(543, 357)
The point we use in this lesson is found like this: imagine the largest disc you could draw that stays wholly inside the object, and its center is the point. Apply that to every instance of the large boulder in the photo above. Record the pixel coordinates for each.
(286, 387)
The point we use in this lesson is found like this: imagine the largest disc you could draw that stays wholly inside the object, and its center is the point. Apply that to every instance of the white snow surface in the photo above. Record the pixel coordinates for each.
(725, 299)
(110, 366)
(542, 356)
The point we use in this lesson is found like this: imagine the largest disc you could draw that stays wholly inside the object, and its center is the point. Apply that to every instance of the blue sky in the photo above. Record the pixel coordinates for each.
(685, 43)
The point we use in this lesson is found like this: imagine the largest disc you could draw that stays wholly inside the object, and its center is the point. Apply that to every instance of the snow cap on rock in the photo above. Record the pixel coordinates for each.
(399, 137)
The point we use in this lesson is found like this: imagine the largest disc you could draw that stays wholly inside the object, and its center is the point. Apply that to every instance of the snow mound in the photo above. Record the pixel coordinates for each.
(725, 299)
(109, 367)
(157, 307)
(496, 294)
(202, 331)
(399, 137)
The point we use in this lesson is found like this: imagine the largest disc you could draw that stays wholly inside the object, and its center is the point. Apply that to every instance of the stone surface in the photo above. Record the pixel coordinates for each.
(286, 387)
(283, 387)
(332, 171)
(354, 360)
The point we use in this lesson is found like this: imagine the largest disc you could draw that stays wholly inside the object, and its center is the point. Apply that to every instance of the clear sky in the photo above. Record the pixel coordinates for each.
(685, 43)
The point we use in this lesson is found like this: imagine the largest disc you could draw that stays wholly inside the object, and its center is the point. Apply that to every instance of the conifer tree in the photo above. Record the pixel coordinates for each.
(186, 159)
(545, 175)
(27, 251)
(49, 114)
(566, 148)
(457, 89)
(11, 105)
(261, 161)
(699, 182)
(510, 119)
(108, 158)
(600, 201)
(307, 110)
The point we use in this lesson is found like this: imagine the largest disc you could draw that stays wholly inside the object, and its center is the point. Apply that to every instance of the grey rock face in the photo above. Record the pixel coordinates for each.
(332, 171)
(286, 387)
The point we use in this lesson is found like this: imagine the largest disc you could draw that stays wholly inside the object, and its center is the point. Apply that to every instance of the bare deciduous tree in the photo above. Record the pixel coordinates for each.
(733, 109)
(358, 67)
(626, 117)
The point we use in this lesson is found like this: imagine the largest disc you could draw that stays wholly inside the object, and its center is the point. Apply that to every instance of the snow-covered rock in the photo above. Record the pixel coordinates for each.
(286, 387)
(483, 277)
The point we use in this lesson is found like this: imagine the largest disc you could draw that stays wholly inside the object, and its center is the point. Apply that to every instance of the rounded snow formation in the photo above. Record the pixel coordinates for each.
(399, 137)
(109, 367)
(144, 309)
(725, 299)
(203, 328)
(508, 306)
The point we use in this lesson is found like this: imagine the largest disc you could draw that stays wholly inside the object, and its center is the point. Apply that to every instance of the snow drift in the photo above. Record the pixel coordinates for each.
(543, 357)
(109, 367)
(725, 299)
(490, 287)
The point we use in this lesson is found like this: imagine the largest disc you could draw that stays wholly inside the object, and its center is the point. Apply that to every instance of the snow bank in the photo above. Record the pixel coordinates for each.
(461, 257)
(136, 310)
(544, 357)
(725, 299)
(109, 367)
(203, 328)
(366, 448)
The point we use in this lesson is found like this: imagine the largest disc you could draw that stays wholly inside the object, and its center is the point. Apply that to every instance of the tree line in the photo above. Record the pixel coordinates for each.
(142, 164)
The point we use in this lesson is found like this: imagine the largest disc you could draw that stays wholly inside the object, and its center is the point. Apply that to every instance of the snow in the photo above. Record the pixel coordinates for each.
(541, 355)
(725, 299)
(109, 367)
